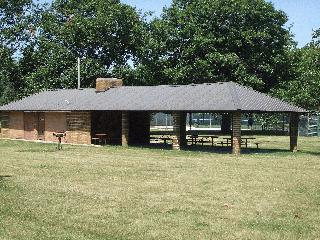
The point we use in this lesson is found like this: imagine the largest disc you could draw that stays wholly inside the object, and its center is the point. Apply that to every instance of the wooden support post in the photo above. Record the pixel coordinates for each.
(125, 129)
(183, 126)
(226, 123)
(294, 127)
(179, 130)
(236, 133)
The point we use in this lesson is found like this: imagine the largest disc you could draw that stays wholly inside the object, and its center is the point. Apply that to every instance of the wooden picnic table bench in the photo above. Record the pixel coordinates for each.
(202, 139)
(244, 141)
(162, 138)
(101, 137)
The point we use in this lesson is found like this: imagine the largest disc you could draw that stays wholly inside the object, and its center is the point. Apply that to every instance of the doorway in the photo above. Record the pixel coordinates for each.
(34, 126)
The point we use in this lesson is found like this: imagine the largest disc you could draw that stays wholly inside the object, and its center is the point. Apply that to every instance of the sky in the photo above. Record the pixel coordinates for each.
(303, 14)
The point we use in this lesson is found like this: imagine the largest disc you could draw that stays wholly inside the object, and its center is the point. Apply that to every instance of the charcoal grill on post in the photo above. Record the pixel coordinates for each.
(59, 136)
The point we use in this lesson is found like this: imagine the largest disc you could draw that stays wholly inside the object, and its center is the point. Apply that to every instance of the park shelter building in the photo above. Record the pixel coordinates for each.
(123, 112)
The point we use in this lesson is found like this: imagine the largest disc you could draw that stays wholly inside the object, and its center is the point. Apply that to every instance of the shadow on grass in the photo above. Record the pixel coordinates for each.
(3, 177)
(3, 181)
(228, 150)
(309, 152)
(32, 150)
(45, 148)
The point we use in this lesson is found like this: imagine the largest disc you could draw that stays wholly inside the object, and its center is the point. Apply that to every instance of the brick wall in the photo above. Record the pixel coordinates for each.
(30, 125)
(78, 127)
(20, 125)
(125, 129)
(16, 125)
(103, 84)
(4, 130)
(54, 122)
(179, 130)
(236, 133)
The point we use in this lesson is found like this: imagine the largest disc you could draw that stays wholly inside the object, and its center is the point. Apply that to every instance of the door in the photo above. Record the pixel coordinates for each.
(34, 126)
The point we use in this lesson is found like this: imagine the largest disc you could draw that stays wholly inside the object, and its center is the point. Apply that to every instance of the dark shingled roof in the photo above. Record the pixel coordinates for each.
(218, 97)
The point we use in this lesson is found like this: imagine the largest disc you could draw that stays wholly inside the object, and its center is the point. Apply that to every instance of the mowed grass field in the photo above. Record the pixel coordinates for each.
(136, 193)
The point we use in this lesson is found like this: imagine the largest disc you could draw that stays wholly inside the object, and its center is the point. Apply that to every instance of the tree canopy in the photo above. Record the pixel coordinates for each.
(218, 40)
(16, 32)
(8, 76)
(104, 34)
(194, 41)
(304, 89)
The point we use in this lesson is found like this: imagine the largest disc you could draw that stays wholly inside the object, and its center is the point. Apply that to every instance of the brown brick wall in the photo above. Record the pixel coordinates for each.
(103, 84)
(4, 118)
(179, 130)
(78, 127)
(54, 122)
(236, 133)
(30, 125)
(125, 129)
(34, 125)
(16, 125)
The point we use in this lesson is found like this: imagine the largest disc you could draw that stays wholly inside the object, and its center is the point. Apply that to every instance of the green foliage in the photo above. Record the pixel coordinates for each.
(17, 18)
(304, 89)
(104, 34)
(17, 31)
(193, 41)
(9, 77)
(219, 40)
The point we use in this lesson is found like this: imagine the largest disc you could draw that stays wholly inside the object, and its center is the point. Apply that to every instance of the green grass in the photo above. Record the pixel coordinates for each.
(117, 193)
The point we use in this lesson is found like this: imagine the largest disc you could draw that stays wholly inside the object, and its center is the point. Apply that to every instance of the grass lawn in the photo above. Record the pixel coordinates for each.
(117, 193)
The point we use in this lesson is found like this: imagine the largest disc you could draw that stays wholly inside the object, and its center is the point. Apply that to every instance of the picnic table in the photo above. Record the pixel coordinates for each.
(242, 138)
(196, 138)
(163, 138)
(210, 136)
(101, 137)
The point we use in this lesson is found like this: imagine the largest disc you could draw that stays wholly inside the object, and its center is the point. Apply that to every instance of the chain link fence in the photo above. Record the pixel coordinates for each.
(309, 124)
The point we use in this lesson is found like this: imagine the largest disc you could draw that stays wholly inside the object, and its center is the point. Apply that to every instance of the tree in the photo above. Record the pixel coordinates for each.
(304, 89)
(9, 76)
(13, 24)
(219, 40)
(17, 19)
(103, 33)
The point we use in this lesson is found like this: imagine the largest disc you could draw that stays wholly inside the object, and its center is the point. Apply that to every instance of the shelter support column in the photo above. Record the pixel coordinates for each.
(294, 127)
(78, 126)
(125, 129)
(226, 123)
(236, 133)
(179, 130)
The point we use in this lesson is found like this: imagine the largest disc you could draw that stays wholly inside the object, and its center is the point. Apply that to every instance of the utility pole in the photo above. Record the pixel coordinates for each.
(78, 73)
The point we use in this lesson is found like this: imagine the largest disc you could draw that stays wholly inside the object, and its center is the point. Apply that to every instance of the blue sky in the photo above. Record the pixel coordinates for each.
(303, 14)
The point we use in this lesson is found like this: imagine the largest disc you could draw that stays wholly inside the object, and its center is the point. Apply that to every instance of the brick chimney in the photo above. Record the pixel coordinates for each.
(103, 84)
